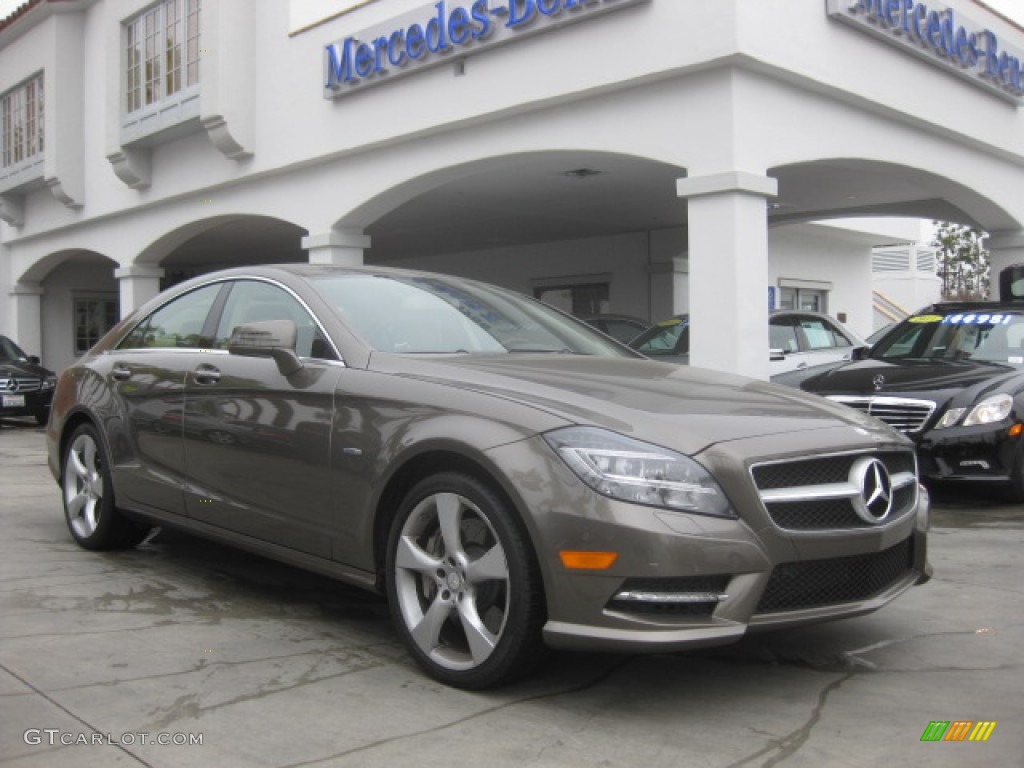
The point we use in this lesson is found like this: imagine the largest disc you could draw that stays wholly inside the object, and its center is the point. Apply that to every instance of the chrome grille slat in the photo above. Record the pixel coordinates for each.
(817, 494)
(25, 384)
(901, 413)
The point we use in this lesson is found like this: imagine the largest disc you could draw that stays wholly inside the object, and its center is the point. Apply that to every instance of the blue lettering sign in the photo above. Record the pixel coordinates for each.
(430, 34)
(941, 35)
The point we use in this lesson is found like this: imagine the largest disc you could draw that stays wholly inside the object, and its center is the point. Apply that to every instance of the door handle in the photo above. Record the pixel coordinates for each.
(206, 375)
(120, 374)
(801, 366)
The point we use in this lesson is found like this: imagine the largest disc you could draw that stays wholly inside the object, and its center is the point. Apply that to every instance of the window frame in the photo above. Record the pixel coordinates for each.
(159, 67)
(23, 108)
(76, 299)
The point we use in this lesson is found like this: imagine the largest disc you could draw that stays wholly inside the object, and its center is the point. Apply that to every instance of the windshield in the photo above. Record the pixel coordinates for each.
(439, 315)
(988, 337)
(11, 352)
(669, 337)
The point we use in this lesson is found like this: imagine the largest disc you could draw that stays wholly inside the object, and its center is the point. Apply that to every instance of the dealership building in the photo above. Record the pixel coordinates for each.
(643, 157)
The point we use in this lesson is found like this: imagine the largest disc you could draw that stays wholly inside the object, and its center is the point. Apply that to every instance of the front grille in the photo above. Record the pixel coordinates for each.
(685, 585)
(900, 413)
(821, 470)
(822, 493)
(20, 384)
(815, 583)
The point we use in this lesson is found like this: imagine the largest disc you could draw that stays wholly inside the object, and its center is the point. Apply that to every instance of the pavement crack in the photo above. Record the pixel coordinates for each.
(786, 746)
(85, 723)
(579, 688)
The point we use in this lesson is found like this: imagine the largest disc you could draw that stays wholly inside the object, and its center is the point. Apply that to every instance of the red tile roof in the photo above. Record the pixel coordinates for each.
(22, 9)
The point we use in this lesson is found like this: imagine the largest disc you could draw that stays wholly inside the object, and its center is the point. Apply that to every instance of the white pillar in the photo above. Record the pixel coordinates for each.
(136, 285)
(26, 299)
(728, 259)
(1004, 249)
(339, 247)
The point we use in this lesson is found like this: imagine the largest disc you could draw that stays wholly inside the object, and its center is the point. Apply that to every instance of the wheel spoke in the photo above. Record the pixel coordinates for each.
(76, 504)
(480, 640)
(427, 632)
(89, 515)
(491, 567)
(76, 464)
(449, 515)
(89, 455)
(411, 557)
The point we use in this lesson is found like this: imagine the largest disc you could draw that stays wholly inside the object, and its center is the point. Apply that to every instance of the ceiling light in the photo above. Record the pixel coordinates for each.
(581, 173)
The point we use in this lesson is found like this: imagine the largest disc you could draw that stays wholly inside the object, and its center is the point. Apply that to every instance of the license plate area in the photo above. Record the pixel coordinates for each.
(14, 401)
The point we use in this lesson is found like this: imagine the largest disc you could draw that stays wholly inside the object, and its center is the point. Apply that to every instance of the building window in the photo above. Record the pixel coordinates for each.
(161, 53)
(94, 316)
(806, 299)
(584, 300)
(23, 124)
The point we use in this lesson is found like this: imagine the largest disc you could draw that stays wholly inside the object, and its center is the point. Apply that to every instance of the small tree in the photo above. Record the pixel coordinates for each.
(962, 262)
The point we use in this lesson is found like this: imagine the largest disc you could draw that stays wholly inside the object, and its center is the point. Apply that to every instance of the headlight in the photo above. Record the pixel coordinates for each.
(950, 417)
(630, 470)
(49, 382)
(990, 410)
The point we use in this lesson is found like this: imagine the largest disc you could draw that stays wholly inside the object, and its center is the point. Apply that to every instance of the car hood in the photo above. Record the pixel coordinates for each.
(22, 368)
(907, 377)
(686, 408)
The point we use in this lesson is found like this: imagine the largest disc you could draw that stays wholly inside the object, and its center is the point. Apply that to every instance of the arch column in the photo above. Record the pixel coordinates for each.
(136, 285)
(1004, 248)
(728, 262)
(26, 300)
(338, 247)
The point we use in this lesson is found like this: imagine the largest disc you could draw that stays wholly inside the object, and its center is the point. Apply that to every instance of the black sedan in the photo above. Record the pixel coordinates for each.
(26, 388)
(950, 377)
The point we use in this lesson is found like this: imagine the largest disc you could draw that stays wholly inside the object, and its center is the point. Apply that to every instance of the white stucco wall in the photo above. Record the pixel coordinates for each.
(762, 86)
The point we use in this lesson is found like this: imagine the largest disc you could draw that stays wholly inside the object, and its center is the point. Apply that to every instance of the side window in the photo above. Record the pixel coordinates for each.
(252, 301)
(819, 335)
(178, 324)
(782, 335)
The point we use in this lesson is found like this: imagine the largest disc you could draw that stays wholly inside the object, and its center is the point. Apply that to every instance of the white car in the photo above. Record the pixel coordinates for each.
(798, 340)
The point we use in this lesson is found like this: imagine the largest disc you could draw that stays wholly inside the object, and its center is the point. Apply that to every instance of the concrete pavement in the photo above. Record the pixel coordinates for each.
(186, 641)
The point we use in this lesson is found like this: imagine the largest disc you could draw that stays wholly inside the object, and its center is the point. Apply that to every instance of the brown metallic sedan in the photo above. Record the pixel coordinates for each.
(510, 478)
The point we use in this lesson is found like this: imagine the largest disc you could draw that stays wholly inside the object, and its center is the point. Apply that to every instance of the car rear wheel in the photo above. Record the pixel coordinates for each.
(463, 585)
(88, 494)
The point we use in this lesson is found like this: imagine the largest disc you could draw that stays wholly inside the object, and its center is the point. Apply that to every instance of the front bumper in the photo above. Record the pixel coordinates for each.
(979, 453)
(26, 403)
(685, 581)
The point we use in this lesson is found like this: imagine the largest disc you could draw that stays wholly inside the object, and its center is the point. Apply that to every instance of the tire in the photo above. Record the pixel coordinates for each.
(463, 584)
(88, 494)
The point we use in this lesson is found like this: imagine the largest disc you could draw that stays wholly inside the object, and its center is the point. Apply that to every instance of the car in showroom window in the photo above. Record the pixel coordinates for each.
(26, 387)
(510, 478)
(950, 377)
(797, 340)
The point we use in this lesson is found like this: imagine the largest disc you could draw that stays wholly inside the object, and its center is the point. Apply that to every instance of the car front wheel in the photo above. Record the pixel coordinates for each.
(88, 493)
(463, 585)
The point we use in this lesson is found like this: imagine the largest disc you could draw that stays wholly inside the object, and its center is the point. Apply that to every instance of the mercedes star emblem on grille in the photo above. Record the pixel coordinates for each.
(875, 501)
(878, 381)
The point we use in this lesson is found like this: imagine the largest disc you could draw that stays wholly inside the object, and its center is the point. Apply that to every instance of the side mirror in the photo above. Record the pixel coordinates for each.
(860, 353)
(774, 355)
(34, 359)
(268, 338)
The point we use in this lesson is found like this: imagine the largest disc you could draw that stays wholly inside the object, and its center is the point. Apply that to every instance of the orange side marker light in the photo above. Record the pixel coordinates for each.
(588, 561)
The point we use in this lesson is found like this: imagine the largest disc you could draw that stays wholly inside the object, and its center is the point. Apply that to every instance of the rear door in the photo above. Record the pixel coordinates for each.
(147, 375)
